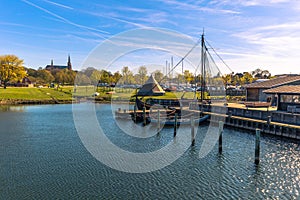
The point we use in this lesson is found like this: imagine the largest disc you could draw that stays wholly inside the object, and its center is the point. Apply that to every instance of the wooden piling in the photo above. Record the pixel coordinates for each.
(221, 124)
(144, 116)
(175, 124)
(134, 113)
(257, 146)
(193, 130)
(158, 121)
(269, 120)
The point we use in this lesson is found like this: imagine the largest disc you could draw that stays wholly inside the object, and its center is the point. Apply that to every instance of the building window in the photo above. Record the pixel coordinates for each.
(286, 98)
(290, 99)
(296, 99)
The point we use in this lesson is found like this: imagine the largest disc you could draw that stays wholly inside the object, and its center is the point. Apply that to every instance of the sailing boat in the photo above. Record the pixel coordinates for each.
(200, 103)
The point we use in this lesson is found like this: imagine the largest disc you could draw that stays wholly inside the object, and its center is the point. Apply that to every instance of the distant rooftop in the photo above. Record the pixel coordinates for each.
(286, 89)
(275, 82)
(261, 80)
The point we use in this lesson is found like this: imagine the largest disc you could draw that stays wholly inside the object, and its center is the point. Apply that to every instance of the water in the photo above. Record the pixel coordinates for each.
(42, 157)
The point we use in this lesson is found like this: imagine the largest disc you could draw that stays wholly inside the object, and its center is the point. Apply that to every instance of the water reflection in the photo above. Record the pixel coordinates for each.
(7, 108)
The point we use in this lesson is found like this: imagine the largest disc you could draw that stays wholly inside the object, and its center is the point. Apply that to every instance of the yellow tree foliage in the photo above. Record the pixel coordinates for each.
(227, 79)
(11, 69)
(189, 77)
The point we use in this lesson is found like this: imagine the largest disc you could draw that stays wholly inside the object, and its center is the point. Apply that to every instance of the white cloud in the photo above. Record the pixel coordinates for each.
(91, 29)
(251, 2)
(194, 6)
(59, 5)
(274, 45)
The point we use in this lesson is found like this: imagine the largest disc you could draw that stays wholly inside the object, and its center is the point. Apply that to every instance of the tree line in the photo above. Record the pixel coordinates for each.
(12, 70)
(241, 79)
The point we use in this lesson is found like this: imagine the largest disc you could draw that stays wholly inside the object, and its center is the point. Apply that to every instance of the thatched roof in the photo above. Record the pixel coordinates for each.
(151, 88)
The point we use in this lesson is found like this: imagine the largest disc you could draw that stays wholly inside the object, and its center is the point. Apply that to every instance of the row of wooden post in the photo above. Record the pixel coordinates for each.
(192, 127)
(221, 124)
(257, 141)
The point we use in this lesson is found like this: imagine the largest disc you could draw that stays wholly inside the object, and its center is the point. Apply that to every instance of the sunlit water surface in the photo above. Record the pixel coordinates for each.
(42, 157)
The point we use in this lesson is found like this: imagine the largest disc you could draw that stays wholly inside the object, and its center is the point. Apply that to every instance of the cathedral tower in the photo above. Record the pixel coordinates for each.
(69, 63)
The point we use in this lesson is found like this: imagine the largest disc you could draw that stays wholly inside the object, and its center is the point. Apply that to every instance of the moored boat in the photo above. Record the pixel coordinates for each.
(181, 121)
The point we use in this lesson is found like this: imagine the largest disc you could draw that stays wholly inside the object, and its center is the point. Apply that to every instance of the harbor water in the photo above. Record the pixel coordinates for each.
(43, 157)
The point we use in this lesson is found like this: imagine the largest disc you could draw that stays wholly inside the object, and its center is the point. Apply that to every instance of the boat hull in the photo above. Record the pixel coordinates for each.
(181, 121)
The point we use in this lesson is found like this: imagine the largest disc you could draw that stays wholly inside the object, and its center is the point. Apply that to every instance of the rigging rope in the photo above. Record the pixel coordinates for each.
(181, 60)
(219, 56)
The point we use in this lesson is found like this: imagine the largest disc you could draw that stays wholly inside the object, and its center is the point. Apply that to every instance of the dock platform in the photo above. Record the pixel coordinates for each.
(238, 118)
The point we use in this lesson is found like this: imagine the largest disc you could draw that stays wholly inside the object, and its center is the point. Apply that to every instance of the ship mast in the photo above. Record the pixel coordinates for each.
(202, 66)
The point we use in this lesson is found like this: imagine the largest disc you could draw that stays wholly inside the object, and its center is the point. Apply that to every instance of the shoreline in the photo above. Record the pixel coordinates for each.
(8, 102)
(276, 126)
(12, 102)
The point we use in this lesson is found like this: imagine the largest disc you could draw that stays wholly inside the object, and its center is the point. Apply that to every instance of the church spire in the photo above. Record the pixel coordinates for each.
(69, 63)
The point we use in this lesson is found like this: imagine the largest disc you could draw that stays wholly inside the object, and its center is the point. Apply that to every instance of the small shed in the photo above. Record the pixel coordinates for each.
(255, 91)
(288, 97)
(151, 88)
(26, 82)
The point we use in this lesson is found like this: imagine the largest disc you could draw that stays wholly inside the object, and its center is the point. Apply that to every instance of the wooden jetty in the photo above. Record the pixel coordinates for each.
(274, 123)
(266, 126)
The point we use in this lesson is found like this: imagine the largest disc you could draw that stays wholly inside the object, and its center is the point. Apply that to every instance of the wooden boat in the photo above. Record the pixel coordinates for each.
(140, 104)
(168, 103)
(181, 121)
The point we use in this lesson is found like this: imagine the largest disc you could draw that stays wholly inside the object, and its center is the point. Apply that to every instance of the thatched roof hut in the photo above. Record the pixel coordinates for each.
(151, 88)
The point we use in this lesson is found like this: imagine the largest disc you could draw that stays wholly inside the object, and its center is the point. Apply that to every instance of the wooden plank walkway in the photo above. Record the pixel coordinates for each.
(266, 126)
(254, 120)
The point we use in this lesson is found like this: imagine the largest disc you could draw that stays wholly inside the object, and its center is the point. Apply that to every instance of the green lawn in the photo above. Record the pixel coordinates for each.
(18, 93)
(119, 93)
(67, 92)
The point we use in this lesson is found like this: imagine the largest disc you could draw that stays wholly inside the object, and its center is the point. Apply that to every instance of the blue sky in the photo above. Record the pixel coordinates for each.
(248, 34)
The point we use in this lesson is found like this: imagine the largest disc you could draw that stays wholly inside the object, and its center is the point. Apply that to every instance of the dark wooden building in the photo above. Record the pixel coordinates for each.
(151, 88)
(288, 97)
(255, 91)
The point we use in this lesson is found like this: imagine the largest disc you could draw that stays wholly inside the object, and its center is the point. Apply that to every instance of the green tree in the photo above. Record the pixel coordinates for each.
(142, 75)
(189, 77)
(82, 79)
(11, 69)
(31, 72)
(70, 76)
(116, 77)
(227, 79)
(158, 75)
(127, 75)
(44, 76)
(261, 74)
(88, 71)
(235, 80)
(60, 77)
(248, 78)
(95, 77)
(105, 76)
(65, 76)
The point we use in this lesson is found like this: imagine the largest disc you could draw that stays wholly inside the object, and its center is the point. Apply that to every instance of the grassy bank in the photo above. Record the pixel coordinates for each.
(15, 95)
(65, 94)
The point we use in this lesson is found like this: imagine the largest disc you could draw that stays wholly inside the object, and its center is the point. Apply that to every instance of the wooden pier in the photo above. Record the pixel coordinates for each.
(273, 123)
(266, 126)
